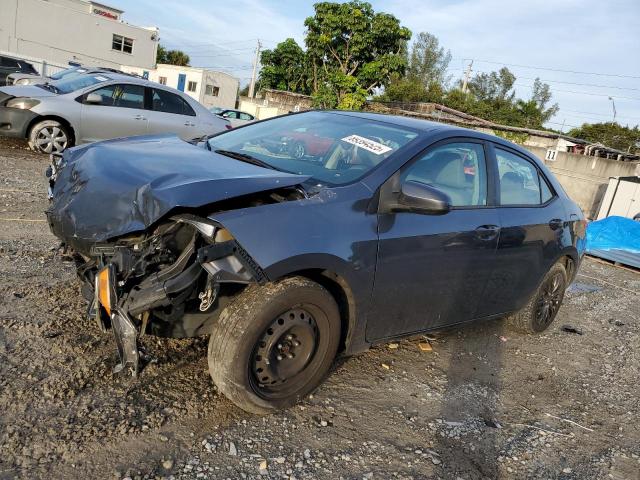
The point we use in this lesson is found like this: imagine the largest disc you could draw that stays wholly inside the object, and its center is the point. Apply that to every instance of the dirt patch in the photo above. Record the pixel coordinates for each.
(483, 403)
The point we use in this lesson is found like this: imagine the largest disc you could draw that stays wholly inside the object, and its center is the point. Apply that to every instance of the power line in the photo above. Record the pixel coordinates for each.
(583, 93)
(619, 75)
(546, 80)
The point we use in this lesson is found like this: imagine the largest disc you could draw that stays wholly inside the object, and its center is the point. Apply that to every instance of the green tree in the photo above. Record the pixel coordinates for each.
(351, 51)
(610, 134)
(161, 54)
(178, 57)
(426, 75)
(494, 86)
(428, 61)
(172, 57)
(285, 68)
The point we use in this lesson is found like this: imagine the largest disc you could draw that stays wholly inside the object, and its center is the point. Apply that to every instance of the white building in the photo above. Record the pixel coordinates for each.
(210, 87)
(58, 32)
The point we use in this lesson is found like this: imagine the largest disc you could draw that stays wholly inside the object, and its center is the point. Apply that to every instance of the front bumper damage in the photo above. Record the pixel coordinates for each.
(199, 274)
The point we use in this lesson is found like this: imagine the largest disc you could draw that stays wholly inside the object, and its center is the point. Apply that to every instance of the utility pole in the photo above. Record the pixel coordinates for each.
(467, 77)
(613, 104)
(252, 86)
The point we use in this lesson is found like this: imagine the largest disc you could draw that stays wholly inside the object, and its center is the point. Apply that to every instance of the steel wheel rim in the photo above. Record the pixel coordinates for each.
(549, 300)
(283, 352)
(50, 139)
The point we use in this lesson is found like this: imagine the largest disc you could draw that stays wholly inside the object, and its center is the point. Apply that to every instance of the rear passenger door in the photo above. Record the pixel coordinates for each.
(120, 113)
(170, 113)
(532, 223)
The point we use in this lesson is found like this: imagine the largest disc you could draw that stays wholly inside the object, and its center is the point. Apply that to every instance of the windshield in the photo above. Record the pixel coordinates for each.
(67, 72)
(333, 149)
(76, 82)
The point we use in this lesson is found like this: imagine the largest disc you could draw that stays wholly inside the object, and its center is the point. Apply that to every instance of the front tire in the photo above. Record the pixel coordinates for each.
(543, 307)
(274, 344)
(50, 136)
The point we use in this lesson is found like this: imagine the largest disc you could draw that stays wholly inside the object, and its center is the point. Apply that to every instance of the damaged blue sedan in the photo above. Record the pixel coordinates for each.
(292, 240)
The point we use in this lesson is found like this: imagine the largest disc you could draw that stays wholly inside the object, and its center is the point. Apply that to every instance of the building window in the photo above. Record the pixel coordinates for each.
(211, 90)
(122, 44)
(162, 80)
(191, 86)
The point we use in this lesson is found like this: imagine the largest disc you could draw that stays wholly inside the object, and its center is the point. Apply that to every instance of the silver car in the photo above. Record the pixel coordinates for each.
(90, 107)
(235, 117)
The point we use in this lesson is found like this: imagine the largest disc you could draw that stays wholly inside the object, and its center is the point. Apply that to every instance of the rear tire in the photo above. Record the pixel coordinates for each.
(50, 136)
(274, 344)
(543, 306)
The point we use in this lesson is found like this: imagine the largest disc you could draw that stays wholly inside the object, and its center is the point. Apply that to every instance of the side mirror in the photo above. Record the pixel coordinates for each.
(420, 198)
(93, 99)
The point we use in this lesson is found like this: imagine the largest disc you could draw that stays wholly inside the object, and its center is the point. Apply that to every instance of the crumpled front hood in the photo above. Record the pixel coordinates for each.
(111, 188)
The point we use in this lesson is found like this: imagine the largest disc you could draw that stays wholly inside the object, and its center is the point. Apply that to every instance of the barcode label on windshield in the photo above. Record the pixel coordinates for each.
(369, 145)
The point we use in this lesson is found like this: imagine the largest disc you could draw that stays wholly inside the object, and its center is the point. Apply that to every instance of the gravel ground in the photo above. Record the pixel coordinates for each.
(482, 403)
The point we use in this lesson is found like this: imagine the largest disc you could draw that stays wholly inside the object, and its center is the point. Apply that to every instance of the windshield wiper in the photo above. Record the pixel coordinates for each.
(243, 157)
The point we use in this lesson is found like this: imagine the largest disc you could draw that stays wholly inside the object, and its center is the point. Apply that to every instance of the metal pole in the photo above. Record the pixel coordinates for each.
(252, 86)
(467, 77)
(613, 104)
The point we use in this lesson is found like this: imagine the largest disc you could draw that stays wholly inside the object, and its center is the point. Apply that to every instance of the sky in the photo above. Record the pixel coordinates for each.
(586, 50)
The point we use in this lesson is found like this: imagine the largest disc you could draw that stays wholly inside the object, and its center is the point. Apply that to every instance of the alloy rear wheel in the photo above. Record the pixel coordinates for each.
(545, 303)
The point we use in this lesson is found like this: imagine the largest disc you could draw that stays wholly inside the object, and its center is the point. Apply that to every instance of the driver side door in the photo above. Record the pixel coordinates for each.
(120, 113)
(431, 269)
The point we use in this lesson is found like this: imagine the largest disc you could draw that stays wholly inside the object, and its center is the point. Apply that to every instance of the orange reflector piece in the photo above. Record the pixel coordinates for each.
(104, 289)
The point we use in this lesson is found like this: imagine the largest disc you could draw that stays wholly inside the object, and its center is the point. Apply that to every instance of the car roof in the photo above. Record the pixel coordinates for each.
(399, 120)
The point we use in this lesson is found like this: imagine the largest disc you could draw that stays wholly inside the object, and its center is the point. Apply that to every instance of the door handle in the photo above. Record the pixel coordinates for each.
(139, 117)
(190, 124)
(487, 232)
(556, 223)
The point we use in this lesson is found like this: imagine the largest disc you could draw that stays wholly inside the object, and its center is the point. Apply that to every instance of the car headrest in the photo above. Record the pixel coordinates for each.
(449, 169)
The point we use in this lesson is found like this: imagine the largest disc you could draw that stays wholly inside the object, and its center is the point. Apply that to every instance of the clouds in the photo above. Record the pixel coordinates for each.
(578, 35)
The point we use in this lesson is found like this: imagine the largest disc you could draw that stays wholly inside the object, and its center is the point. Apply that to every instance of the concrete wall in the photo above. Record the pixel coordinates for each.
(584, 178)
(61, 31)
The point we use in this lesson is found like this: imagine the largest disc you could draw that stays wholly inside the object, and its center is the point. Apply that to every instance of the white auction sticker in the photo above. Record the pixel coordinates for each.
(370, 145)
(101, 78)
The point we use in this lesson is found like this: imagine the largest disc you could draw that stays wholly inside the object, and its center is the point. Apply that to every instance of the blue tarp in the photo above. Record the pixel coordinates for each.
(614, 233)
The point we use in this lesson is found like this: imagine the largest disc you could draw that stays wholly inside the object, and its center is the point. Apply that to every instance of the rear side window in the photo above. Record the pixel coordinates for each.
(457, 169)
(245, 116)
(167, 102)
(122, 95)
(520, 181)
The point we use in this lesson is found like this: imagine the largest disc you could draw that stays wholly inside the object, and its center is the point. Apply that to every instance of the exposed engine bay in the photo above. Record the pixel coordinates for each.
(172, 280)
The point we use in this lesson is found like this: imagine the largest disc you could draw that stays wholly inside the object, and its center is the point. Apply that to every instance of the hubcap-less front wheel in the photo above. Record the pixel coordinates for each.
(51, 139)
(284, 351)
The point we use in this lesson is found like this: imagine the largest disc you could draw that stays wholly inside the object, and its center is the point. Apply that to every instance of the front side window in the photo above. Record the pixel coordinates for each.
(167, 102)
(122, 44)
(520, 181)
(457, 169)
(191, 86)
(331, 148)
(121, 95)
(245, 116)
